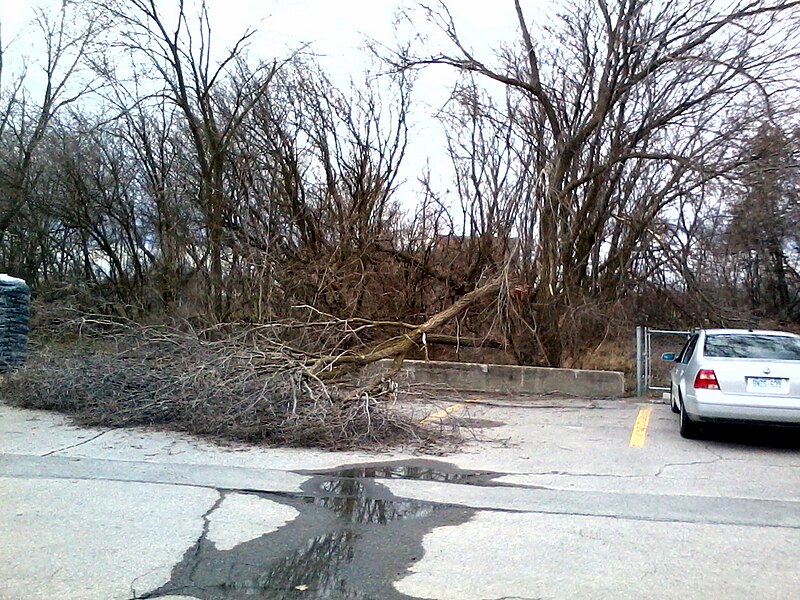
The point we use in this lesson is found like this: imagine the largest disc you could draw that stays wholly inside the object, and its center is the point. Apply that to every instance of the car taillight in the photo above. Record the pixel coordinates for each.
(706, 380)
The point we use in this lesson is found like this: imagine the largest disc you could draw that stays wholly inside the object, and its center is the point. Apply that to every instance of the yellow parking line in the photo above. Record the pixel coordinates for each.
(640, 428)
(441, 414)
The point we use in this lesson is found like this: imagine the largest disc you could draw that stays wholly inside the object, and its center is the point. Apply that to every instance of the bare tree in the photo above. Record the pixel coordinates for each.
(30, 105)
(627, 107)
(214, 93)
(763, 230)
(315, 171)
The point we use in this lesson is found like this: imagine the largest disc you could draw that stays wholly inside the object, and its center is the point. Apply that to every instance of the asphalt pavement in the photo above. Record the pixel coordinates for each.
(547, 498)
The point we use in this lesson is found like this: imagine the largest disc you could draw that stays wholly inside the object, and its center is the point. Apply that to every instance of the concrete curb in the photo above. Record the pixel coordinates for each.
(508, 379)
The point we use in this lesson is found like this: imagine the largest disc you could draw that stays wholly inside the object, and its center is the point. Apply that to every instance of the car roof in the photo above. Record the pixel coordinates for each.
(747, 331)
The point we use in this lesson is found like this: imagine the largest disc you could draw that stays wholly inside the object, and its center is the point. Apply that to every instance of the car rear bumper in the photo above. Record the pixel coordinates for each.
(710, 405)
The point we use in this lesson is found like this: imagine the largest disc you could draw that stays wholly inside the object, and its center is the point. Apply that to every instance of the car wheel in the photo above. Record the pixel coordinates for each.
(672, 403)
(691, 430)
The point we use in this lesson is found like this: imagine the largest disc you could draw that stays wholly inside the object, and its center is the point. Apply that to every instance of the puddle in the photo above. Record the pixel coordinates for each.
(351, 541)
(423, 470)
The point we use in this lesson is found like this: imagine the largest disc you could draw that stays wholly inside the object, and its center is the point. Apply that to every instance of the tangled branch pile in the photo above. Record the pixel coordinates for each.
(241, 384)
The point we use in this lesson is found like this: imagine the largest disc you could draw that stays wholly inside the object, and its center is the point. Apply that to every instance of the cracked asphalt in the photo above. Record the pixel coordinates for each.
(548, 499)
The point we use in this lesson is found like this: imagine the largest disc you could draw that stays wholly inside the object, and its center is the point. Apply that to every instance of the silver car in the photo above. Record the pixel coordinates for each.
(736, 375)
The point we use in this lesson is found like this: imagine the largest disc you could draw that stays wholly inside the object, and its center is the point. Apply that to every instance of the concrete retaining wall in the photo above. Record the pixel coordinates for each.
(509, 379)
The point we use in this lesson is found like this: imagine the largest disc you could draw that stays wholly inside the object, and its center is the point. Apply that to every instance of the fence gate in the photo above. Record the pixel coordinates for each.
(644, 356)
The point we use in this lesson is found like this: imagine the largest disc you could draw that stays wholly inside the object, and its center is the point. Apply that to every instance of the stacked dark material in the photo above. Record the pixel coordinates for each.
(15, 299)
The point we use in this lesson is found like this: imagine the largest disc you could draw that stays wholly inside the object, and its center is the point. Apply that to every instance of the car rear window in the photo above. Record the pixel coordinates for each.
(766, 347)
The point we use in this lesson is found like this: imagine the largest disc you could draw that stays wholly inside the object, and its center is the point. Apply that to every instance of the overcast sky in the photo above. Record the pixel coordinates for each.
(335, 31)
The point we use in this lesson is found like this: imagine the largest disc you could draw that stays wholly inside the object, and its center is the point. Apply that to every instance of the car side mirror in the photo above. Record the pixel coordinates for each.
(669, 356)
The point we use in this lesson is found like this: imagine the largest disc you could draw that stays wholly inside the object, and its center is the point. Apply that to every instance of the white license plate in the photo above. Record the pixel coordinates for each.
(775, 385)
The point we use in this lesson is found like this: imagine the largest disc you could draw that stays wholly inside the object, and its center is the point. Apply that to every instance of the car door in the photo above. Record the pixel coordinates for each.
(674, 371)
(679, 371)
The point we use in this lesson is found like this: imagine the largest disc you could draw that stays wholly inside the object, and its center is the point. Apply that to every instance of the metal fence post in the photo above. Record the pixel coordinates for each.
(640, 387)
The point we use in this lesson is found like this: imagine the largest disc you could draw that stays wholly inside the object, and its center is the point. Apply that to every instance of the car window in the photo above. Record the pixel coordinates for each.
(764, 347)
(689, 349)
(679, 356)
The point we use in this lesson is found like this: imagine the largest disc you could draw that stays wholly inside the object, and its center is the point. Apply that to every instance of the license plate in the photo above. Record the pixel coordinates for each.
(768, 384)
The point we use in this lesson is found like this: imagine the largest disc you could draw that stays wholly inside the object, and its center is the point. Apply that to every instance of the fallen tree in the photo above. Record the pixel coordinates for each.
(238, 382)
(245, 386)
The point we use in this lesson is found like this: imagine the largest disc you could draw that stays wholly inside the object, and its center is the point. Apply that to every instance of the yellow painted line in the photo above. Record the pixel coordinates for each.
(640, 428)
(441, 414)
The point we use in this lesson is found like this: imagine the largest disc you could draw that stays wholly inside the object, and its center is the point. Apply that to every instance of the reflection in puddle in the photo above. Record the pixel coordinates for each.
(351, 541)
(350, 500)
(313, 571)
(423, 470)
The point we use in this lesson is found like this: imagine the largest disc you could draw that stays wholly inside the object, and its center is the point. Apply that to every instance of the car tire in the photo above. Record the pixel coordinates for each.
(690, 430)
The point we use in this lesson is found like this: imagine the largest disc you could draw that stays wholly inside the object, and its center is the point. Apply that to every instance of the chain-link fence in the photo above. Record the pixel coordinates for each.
(652, 373)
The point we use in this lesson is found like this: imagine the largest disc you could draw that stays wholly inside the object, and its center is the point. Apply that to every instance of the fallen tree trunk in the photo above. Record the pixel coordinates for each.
(464, 342)
(332, 367)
